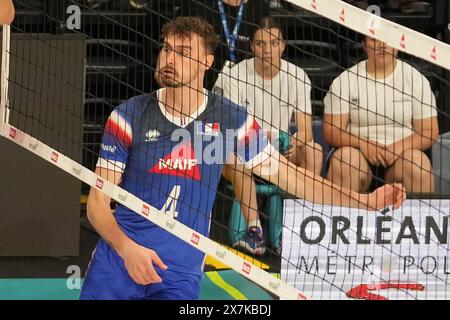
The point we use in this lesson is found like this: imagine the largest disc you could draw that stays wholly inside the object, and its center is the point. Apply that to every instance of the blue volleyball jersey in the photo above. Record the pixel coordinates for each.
(156, 152)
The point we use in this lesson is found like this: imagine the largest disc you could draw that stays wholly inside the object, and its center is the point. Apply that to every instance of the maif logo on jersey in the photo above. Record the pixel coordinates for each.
(181, 163)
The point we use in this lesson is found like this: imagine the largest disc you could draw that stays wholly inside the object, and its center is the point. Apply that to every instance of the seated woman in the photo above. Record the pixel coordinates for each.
(381, 116)
(272, 90)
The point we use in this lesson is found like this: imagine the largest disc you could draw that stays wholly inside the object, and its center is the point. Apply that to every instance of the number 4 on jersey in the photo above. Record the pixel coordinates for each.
(170, 207)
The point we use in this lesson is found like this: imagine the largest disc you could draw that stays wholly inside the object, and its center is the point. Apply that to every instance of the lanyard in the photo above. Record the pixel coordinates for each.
(231, 37)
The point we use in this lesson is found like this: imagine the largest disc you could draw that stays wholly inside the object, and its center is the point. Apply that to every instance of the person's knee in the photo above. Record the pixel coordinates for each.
(348, 164)
(345, 158)
(317, 150)
(416, 165)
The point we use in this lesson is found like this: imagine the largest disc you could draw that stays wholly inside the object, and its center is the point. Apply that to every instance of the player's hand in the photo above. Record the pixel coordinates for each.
(139, 263)
(393, 152)
(389, 194)
(290, 153)
(374, 153)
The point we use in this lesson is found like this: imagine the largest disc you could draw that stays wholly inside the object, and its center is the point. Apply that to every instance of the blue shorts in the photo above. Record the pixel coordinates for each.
(108, 279)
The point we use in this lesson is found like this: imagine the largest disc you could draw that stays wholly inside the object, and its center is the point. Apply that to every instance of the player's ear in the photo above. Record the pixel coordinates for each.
(209, 60)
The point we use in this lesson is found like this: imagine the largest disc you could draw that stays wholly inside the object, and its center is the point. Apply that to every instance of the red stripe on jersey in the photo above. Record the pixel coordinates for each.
(114, 129)
(252, 131)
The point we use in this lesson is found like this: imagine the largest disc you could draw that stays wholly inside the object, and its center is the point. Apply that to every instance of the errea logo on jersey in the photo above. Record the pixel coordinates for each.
(152, 135)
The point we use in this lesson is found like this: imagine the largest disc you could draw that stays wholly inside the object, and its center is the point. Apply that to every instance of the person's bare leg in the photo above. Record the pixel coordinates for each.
(245, 190)
(310, 157)
(349, 168)
(414, 170)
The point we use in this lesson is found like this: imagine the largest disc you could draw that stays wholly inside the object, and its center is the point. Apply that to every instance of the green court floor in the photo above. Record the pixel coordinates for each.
(216, 285)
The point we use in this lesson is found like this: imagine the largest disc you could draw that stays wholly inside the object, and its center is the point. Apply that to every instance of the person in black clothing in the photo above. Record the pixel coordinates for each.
(246, 12)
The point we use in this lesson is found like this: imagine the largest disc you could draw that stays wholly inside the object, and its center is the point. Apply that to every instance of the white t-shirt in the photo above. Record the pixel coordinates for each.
(381, 110)
(272, 102)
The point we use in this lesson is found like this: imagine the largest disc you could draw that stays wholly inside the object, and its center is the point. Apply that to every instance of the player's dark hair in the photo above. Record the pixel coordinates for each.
(185, 26)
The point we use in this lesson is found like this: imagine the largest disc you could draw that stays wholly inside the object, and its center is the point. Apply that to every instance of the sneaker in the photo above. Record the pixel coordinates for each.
(138, 4)
(253, 242)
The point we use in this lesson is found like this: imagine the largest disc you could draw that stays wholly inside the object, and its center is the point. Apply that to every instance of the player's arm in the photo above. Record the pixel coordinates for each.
(304, 184)
(426, 131)
(335, 134)
(304, 128)
(6, 11)
(136, 257)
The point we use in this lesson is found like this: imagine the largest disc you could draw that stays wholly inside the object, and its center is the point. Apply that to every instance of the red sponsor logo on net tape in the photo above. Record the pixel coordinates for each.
(99, 183)
(195, 239)
(246, 267)
(403, 41)
(13, 133)
(54, 157)
(372, 27)
(145, 209)
(301, 296)
(434, 53)
(342, 15)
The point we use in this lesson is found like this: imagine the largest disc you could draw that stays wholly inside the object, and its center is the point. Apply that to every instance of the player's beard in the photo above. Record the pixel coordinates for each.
(168, 80)
(172, 80)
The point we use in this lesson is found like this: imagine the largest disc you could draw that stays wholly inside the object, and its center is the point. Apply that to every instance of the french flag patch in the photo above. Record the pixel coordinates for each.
(208, 129)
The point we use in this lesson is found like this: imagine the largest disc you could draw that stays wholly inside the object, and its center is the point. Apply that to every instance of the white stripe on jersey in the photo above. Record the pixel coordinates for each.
(123, 124)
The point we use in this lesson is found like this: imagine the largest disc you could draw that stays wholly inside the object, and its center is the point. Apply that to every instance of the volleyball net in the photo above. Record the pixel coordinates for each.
(66, 67)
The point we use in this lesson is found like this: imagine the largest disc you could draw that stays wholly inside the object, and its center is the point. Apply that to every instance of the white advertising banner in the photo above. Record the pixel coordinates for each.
(342, 253)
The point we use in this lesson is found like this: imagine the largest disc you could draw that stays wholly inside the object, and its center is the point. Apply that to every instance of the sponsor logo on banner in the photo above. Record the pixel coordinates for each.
(145, 209)
(342, 15)
(314, 4)
(364, 291)
(246, 267)
(99, 183)
(434, 53)
(12, 133)
(403, 41)
(355, 254)
(195, 238)
(54, 157)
